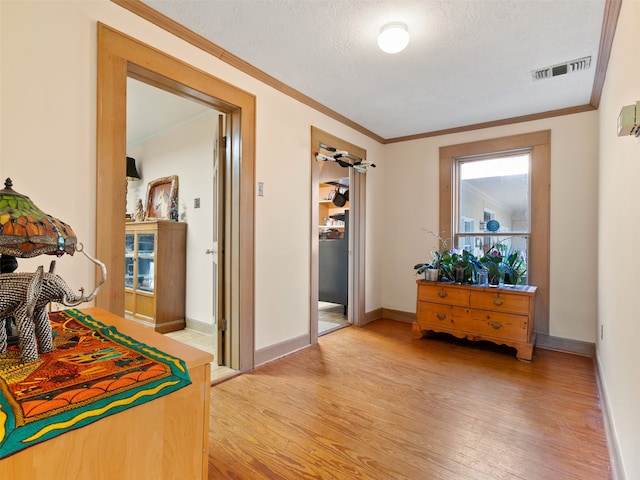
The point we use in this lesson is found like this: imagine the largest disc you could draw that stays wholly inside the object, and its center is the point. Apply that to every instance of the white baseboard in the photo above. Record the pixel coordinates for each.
(617, 467)
(199, 326)
(282, 349)
(586, 349)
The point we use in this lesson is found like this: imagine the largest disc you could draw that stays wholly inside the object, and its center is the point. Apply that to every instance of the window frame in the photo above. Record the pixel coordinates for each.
(540, 185)
(458, 233)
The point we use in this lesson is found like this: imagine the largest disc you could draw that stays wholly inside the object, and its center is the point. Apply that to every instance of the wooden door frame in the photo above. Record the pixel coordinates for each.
(540, 241)
(357, 197)
(219, 230)
(120, 56)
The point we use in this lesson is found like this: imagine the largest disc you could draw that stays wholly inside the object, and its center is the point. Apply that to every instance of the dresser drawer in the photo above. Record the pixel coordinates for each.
(441, 293)
(498, 325)
(437, 316)
(440, 315)
(500, 301)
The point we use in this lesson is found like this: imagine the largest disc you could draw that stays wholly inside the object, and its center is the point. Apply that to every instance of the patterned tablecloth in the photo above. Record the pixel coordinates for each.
(94, 372)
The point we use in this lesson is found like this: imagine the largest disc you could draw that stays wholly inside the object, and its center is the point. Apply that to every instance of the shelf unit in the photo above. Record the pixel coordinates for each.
(155, 274)
(327, 209)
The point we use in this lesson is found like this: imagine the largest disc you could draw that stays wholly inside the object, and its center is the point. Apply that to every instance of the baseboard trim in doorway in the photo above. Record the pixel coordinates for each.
(198, 326)
(371, 316)
(222, 374)
(279, 350)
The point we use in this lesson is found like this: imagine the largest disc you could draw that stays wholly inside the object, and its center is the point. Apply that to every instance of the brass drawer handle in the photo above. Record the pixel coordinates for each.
(495, 325)
(498, 301)
(441, 316)
(442, 293)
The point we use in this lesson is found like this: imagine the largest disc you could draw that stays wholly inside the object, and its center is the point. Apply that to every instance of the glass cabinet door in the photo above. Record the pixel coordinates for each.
(146, 252)
(128, 260)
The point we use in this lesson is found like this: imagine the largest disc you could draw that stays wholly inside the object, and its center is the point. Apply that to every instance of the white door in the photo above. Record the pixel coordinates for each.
(217, 191)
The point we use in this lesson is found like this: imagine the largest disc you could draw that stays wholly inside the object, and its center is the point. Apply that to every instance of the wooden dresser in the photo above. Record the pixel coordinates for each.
(502, 315)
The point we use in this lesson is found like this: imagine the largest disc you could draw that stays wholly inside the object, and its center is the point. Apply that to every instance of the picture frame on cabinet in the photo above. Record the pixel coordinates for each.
(162, 198)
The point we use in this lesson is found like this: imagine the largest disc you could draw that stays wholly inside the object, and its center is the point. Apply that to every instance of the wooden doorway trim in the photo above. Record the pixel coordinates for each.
(120, 56)
(357, 203)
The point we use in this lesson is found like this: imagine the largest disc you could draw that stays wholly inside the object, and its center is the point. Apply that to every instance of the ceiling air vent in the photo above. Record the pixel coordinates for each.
(562, 68)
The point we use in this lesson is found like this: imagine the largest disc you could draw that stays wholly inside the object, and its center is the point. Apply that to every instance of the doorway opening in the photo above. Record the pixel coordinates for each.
(120, 57)
(333, 249)
(337, 239)
(169, 136)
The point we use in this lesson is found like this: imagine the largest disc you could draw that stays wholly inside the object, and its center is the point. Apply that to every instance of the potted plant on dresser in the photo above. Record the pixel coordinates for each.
(462, 305)
(439, 265)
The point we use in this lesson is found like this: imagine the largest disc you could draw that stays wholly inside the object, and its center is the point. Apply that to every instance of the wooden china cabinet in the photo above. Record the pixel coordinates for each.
(155, 274)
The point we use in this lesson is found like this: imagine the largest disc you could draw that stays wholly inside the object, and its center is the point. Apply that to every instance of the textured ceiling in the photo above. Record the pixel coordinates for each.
(468, 61)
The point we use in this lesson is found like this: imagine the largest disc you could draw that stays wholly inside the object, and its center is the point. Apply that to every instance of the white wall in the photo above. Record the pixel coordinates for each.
(619, 230)
(47, 144)
(186, 151)
(411, 183)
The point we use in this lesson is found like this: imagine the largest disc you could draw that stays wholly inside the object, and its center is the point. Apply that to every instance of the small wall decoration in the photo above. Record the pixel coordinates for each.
(493, 225)
(162, 197)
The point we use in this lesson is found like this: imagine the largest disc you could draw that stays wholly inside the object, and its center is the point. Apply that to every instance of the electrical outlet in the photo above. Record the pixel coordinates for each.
(261, 189)
(601, 332)
(196, 203)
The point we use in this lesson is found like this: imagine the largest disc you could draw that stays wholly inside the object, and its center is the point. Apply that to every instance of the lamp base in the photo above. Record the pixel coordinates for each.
(8, 264)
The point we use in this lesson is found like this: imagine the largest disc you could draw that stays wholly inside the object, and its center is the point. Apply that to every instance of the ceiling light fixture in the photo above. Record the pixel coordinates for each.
(394, 37)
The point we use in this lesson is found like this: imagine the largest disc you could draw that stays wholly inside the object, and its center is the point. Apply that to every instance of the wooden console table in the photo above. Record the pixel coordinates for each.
(502, 315)
(166, 438)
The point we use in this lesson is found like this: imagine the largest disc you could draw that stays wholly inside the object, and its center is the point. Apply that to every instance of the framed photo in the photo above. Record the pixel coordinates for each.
(162, 198)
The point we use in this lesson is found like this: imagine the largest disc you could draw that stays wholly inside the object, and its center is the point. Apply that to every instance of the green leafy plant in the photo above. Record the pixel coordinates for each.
(420, 268)
(449, 261)
(502, 263)
(492, 261)
(463, 266)
(453, 260)
(436, 257)
(514, 268)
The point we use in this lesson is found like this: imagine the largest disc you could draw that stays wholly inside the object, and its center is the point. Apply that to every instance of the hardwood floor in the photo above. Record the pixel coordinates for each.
(373, 403)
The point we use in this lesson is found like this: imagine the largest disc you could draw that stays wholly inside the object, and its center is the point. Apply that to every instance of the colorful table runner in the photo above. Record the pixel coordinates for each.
(94, 372)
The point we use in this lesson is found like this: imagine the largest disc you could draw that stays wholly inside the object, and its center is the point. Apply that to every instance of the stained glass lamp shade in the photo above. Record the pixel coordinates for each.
(26, 231)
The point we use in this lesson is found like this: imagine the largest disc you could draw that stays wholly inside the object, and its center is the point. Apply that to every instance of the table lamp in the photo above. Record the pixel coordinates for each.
(25, 232)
